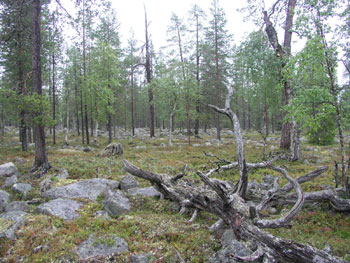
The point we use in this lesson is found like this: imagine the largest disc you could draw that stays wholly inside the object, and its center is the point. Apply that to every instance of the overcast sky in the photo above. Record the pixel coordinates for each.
(131, 16)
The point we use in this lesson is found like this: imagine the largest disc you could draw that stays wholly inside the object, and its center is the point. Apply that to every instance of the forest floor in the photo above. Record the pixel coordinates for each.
(154, 226)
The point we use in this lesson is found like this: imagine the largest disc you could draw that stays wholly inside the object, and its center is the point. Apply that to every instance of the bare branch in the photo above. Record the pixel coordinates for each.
(130, 168)
(270, 194)
(179, 176)
(284, 221)
(258, 254)
(302, 179)
(243, 171)
(194, 216)
(216, 186)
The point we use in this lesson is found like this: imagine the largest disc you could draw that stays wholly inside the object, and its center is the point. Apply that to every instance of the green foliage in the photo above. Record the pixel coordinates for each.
(313, 102)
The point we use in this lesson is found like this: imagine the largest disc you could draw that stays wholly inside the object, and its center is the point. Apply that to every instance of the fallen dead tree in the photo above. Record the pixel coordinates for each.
(239, 207)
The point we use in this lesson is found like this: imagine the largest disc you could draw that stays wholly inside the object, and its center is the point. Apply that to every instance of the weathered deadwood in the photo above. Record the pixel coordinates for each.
(236, 215)
(243, 170)
(284, 221)
(302, 179)
(324, 196)
(230, 205)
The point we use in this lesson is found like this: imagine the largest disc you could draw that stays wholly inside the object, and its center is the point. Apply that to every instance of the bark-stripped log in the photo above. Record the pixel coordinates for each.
(230, 203)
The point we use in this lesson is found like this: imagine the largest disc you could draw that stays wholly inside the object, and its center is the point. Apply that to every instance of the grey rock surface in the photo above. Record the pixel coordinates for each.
(101, 246)
(230, 246)
(141, 258)
(115, 203)
(8, 169)
(128, 182)
(4, 199)
(10, 180)
(89, 189)
(62, 208)
(147, 192)
(17, 206)
(10, 222)
(22, 188)
(102, 214)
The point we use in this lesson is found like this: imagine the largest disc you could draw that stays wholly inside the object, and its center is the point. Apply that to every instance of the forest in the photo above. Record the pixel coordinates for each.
(206, 149)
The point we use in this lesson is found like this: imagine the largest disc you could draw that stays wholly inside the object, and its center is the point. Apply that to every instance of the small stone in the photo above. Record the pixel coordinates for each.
(90, 189)
(10, 222)
(272, 211)
(17, 206)
(102, 214)
(147, 192)
(4, 199)
(163, 145)
(196, 145)
(141, 258)
(104, 246)
(128, 182)
(62, 208)
(140, 147)
(8, 169)
(208, 144)
(10, 180)
(22, 189)
(88, 149)
(115, 203)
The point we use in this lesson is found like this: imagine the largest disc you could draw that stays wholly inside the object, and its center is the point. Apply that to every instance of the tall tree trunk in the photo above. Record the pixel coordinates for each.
(284, 54)
(21, 80)
(96, 131)
(29, 134)
(196, 123)
(86, 124)
(76, 102)
(109, 124)
(249, 117)
(67, 120)
(217, 81)
(149, 80)
(171, 119)
(132, 105)
(53, 98)
(266, 118)
(41, 161)
(82, 114)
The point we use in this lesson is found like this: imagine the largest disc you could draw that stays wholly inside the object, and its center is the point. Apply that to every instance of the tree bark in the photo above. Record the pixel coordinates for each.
(284, 54)
(41, 161)
(149, 80)
(53, 98)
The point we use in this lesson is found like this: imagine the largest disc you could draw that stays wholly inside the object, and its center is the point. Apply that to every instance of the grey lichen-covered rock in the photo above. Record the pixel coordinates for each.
(115, 203)
(22, 188)
(46, 184)
(102, 214)
(267, 182)
(10, 222)
(230, 246)
(128, 182)
(147, 192)
(4, 199)
(89, 189)
(62, 208)
(10, 180)
(104, 246)
(112, 149)
(141, 258)
(17, 206)
(8, 169)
